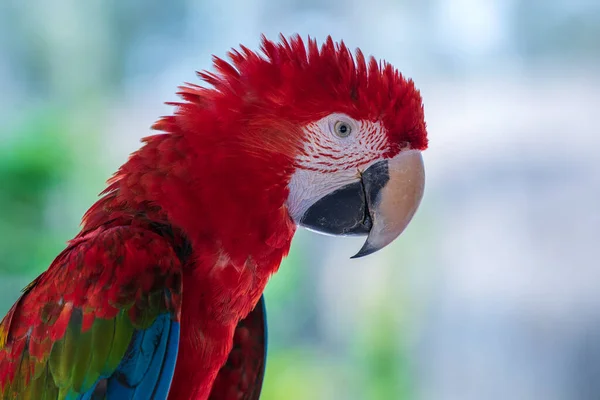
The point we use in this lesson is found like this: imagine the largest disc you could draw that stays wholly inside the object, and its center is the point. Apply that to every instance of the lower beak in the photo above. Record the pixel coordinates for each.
(380, 205)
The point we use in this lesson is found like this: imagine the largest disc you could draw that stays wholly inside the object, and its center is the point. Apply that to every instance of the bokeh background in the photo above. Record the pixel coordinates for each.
(494, 290)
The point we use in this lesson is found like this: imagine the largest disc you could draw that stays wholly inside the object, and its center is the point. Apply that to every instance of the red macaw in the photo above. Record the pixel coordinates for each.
(159, 295)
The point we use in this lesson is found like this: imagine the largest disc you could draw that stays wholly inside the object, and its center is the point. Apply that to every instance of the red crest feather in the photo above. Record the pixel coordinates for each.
(298, 83)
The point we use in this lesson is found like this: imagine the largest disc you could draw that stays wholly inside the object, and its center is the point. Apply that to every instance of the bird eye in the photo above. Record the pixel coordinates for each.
(342, 129)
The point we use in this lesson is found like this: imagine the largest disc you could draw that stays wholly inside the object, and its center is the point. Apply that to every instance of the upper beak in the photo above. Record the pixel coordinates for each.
(392, 202)
(380, 205)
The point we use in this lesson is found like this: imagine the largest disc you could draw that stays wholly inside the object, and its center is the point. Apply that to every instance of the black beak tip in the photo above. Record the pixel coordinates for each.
(366, 250)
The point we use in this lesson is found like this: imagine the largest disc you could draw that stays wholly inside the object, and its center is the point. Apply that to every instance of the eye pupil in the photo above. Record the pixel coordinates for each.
(342, 129)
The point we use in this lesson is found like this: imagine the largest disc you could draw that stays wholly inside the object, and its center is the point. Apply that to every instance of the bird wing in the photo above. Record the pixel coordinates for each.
(101, 323)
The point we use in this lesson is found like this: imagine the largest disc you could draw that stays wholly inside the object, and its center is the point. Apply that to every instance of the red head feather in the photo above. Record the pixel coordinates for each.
(291, 84)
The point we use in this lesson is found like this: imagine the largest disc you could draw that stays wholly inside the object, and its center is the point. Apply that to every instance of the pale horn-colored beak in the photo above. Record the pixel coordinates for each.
(393, 189)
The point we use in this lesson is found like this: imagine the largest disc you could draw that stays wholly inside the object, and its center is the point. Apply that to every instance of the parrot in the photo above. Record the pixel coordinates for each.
(160, 294)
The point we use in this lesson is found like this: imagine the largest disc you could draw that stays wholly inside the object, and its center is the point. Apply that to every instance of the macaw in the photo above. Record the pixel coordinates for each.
(160, 294)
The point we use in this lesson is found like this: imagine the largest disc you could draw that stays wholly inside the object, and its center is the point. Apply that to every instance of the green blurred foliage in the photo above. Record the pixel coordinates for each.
(384, 361)
(34, 163)
(294, 375)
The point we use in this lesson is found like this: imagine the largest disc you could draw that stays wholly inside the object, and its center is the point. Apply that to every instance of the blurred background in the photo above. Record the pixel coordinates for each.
(492, 292)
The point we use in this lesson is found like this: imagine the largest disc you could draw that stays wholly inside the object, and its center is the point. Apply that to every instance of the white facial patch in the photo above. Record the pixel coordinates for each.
(330, 161)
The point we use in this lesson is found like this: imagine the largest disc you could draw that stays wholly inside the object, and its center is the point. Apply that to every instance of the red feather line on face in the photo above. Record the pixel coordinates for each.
(292, 83)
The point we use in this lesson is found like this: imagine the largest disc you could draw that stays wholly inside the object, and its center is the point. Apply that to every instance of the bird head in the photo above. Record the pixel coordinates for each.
(331, 138)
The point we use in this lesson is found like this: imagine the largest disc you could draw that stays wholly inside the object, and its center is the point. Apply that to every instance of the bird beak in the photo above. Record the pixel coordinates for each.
(392, 202)
(380, 205)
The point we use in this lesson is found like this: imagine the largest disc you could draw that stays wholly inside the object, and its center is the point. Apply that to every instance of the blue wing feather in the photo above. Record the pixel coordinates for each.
(147, 368)
(265, 334)
(161, 390)
(146, 387)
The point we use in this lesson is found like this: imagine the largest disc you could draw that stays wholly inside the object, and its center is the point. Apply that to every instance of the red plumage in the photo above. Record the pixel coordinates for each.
(217, 178)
